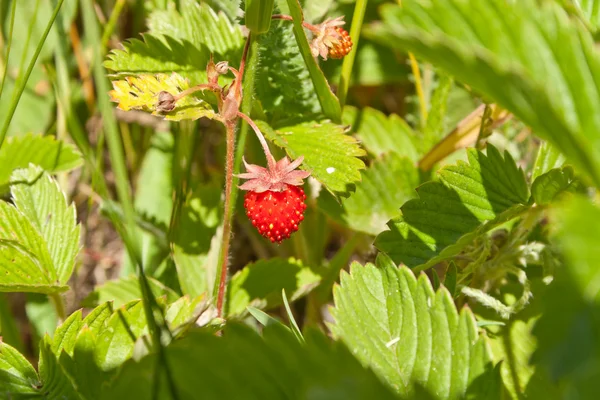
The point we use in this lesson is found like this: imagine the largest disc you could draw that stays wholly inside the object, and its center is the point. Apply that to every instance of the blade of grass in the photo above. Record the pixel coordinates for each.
(348, 64)
(20, 86)
(112, 22)
(329, 103)
(28, 39)
(293, 325)
(416, 71)
(8, 45)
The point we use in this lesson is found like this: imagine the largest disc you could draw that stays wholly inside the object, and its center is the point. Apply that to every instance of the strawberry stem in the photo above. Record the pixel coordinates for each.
(193, 89)
(270, 159)
(230, 192)
(310, 27)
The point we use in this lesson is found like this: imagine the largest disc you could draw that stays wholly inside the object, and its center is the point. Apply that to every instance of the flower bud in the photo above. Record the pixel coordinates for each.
(166, 102)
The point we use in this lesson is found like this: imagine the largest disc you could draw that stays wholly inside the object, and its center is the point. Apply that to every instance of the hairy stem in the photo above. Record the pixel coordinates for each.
(261, 139)
(310, 27)
(234, 158)
(227, 217)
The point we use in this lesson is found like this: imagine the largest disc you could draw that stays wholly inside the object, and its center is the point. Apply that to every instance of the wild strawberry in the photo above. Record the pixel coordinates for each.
(276, 215)
(275, 199)
(343, 46)
(330, 39)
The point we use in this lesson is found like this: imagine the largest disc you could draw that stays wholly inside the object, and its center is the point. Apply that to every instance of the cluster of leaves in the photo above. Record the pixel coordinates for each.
(486, 275)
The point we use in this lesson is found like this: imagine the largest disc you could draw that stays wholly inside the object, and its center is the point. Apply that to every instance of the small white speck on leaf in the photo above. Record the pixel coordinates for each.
(392, 342)
(330, 170)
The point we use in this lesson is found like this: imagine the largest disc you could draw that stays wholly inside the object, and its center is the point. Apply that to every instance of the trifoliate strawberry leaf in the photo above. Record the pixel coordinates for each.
(141, 93)
(529, 57)
(47, 152)
(260, 284)
(470, 199)
(553, 184)
(381, 134)
(388, 183)
(125, 290)
(329, 153)
(407, 333)
(200, 25)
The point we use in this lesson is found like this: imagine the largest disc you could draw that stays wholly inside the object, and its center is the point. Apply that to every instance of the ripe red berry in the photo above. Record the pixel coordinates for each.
(343, 46)
(276, 214)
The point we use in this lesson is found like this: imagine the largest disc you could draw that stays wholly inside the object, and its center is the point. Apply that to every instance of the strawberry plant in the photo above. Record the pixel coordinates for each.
(299, 199)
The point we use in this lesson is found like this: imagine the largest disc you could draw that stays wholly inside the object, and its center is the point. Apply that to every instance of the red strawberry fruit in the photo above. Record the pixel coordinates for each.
(276, 215)
(275, 199)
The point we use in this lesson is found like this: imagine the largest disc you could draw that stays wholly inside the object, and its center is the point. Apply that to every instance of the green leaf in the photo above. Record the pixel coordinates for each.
(286, 91)
(154, 197)
(514, 345)
(21, 271)
(180, 42)
(83, 369)
(185, 310)
(397, 325)
(511, 52)
(197, 239)
(125, 290)
(17, 376)
(39, 234)
(56, 384)
(262, 317)
(50, 154)
(275, 366)
(46, 208)
(159, 55)
(260, 284)
(329, 103)
(330, 154)
(381, 134)
(548, 157)
(141, 93)
(469, 200)
(553, 184)
(434, 126)
(200, 25)
(116, 341)
(389, 182)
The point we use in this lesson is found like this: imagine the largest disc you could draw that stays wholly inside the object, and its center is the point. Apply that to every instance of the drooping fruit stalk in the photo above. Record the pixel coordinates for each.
(274, 201)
